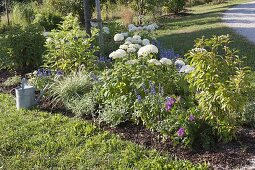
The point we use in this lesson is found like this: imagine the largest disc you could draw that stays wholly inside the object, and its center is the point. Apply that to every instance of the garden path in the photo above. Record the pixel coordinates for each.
(242, 19)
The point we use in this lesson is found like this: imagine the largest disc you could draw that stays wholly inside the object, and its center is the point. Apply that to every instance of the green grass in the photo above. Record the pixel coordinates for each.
(39, 140)
(205, 20)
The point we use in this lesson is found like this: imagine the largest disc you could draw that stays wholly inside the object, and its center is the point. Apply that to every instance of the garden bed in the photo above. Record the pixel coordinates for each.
(235, 154)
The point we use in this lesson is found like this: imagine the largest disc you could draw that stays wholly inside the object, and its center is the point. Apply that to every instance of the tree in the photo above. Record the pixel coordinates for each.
(87, 16)
(7, 11)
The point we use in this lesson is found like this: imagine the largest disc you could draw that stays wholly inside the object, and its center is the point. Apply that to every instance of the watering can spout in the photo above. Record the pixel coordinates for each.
(41, 94)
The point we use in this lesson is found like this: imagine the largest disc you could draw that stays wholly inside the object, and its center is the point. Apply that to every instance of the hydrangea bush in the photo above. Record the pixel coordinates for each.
(136, 75)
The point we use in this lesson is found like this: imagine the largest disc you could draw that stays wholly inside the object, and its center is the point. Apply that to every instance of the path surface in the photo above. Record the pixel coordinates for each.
(242, 19)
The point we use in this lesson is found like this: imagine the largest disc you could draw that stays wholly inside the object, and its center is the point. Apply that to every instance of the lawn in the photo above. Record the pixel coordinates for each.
(179, 33)
(39, 140)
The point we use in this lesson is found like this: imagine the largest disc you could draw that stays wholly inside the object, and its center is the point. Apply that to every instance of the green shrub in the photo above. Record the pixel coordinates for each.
(22, 48)
(175, 6)
(23, 13)
(47, 17)
(220, 83)
(69, 47)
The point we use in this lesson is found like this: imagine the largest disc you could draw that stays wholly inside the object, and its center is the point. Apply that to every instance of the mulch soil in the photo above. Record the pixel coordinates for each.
(232, 155)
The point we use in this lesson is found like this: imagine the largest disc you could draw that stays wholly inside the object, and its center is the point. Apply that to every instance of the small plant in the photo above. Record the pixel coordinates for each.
(12, 81)
(75, 92)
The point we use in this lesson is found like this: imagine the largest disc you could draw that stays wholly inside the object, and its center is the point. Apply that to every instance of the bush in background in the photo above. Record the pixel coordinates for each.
(69, 47)
(23, 13)
(22, 48)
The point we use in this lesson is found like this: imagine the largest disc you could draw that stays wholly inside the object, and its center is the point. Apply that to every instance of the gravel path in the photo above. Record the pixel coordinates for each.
(242, 19)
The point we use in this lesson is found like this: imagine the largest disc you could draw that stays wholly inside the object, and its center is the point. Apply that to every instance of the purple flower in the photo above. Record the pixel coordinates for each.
(181, 132)
(170, 103)
(144, 88)
(39, 73)
(49, 72)
(139, 98)
(191, 118)
(153, 89)
(59, 73)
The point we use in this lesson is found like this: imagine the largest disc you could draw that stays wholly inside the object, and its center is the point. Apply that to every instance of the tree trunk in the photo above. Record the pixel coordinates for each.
(99, 20)
(87, 16)
(7, 11)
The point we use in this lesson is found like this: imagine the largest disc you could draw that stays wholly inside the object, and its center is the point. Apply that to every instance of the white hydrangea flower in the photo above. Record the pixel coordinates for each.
(137, 41)
(137, 46)
(106, 30)
(137, 37)
(186, 69)
(166, 61)
(132, 62)
(125, 34)
(127, 43)
(150, 28)
(130, 39)
(132, 27)
(139, 28)
(146, 42)
(131, 50)
(118, 37)
(146, 50)
(154, 61)
(189, 69)
(179, 62)
(123, 47)
(118, 54)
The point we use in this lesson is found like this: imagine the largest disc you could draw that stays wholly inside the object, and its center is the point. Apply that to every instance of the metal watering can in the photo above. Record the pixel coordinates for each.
(25, 95)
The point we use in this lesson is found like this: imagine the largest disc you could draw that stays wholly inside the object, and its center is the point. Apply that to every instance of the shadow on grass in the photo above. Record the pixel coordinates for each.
(182, 42)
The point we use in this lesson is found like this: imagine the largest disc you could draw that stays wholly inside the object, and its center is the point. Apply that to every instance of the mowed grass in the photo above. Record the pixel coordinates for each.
(205, 20)
(39, 140)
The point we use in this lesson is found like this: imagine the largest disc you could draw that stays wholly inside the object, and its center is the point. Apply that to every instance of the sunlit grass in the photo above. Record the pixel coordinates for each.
(205, 20)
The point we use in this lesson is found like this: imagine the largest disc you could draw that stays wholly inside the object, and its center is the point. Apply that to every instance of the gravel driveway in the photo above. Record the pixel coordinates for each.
(242, 19)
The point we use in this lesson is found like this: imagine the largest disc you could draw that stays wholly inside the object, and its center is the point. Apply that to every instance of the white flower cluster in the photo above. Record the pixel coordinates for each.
(166, 61)
(118, 54)
(151, 27)
(118, 37)
(184, 68)
(133, 44)
(147, 49)
(162, 61)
